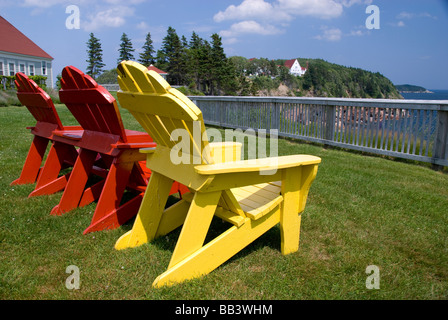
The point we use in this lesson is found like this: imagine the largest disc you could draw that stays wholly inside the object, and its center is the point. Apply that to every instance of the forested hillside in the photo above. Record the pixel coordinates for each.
(200, 66)
(409, 88)
(322, 79)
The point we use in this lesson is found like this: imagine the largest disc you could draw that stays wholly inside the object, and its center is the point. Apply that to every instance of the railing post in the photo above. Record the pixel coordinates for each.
(277, 107)
(441, 140)
(330, 113)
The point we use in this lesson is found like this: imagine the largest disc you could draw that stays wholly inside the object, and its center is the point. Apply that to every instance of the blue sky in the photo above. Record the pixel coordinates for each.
(410, 46)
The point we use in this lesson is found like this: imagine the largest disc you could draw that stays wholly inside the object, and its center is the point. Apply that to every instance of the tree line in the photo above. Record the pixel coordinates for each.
(198, 64)
(328, 79)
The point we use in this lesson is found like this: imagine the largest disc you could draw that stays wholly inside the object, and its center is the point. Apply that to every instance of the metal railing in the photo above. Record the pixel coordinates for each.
(410, 129)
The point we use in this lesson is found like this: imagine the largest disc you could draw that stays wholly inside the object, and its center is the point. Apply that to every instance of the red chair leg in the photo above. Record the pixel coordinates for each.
(107, 215)
(76, 184)
(33, 161)
(48, 181)
(117, 217)
(92, 193)
(57, 156)
(51, 187)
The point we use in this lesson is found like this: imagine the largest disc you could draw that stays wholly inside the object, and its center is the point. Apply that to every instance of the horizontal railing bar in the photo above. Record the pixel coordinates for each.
(434, 105)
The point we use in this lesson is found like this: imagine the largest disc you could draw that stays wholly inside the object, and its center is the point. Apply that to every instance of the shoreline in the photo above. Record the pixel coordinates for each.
(427, 91)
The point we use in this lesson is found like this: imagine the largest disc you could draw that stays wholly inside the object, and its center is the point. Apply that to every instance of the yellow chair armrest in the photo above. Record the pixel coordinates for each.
(265, 164)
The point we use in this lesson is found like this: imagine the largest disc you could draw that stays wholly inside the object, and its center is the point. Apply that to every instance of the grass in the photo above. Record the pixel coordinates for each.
(361, 211)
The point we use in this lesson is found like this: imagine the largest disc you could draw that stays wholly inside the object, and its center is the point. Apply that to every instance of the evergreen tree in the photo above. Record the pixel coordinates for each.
(223, 71)
(171, 57)
(183, 63)
(95, 56)
(147, 56)
(126, 49)
(204, 67)
(184, 43)
(193, 60)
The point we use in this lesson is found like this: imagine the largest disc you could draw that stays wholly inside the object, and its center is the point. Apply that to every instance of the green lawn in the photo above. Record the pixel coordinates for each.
(361, 211)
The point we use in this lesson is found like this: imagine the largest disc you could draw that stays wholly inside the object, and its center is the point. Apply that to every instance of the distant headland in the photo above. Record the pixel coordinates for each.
(409, 88)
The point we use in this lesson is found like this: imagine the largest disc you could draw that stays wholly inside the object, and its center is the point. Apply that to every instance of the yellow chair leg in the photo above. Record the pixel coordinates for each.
(149, 214)
(289, 213)
(173, 217)
(196, 225)
(295, 187)
(216, 252)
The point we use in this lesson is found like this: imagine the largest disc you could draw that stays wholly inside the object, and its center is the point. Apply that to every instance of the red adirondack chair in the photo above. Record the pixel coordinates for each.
(60, 156)
(97, 112)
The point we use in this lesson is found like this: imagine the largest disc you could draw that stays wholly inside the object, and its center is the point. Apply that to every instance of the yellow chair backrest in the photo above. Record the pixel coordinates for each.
(144, 94)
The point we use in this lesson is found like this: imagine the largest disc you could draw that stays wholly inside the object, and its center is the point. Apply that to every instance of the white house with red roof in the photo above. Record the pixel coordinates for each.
(19, 54)
(294, 67)
(161, 72)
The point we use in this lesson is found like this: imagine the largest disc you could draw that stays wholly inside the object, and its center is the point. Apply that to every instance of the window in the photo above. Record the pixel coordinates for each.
(12, 68)
(44, 68)
(22, 67)
(31, 66)
(1, 68)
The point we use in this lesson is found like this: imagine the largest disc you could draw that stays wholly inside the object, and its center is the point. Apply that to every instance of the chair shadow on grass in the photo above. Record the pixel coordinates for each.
(168, 242)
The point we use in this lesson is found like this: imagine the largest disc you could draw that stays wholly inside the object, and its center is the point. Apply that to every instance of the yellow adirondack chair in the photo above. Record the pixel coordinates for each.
(253, 195)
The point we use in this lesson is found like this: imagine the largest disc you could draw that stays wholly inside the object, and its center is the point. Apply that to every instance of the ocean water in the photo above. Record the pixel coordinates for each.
(437, 95)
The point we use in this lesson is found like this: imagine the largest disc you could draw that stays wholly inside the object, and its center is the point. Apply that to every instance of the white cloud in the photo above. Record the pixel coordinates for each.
(323, 9)
(410, 15)
(405, 15)
(228, 41)
(50, 3)
(42, 4)
(280, 10)
(142, 26)
(333, 35)
(349, 3)
(113, 17)
(356, 33)
(248, 9)
(251, 27)
(95, 14)
(128, 2)
(273, 17)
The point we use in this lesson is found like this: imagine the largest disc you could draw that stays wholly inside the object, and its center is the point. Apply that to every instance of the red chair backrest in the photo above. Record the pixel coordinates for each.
(37, 101)
(91, 104)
